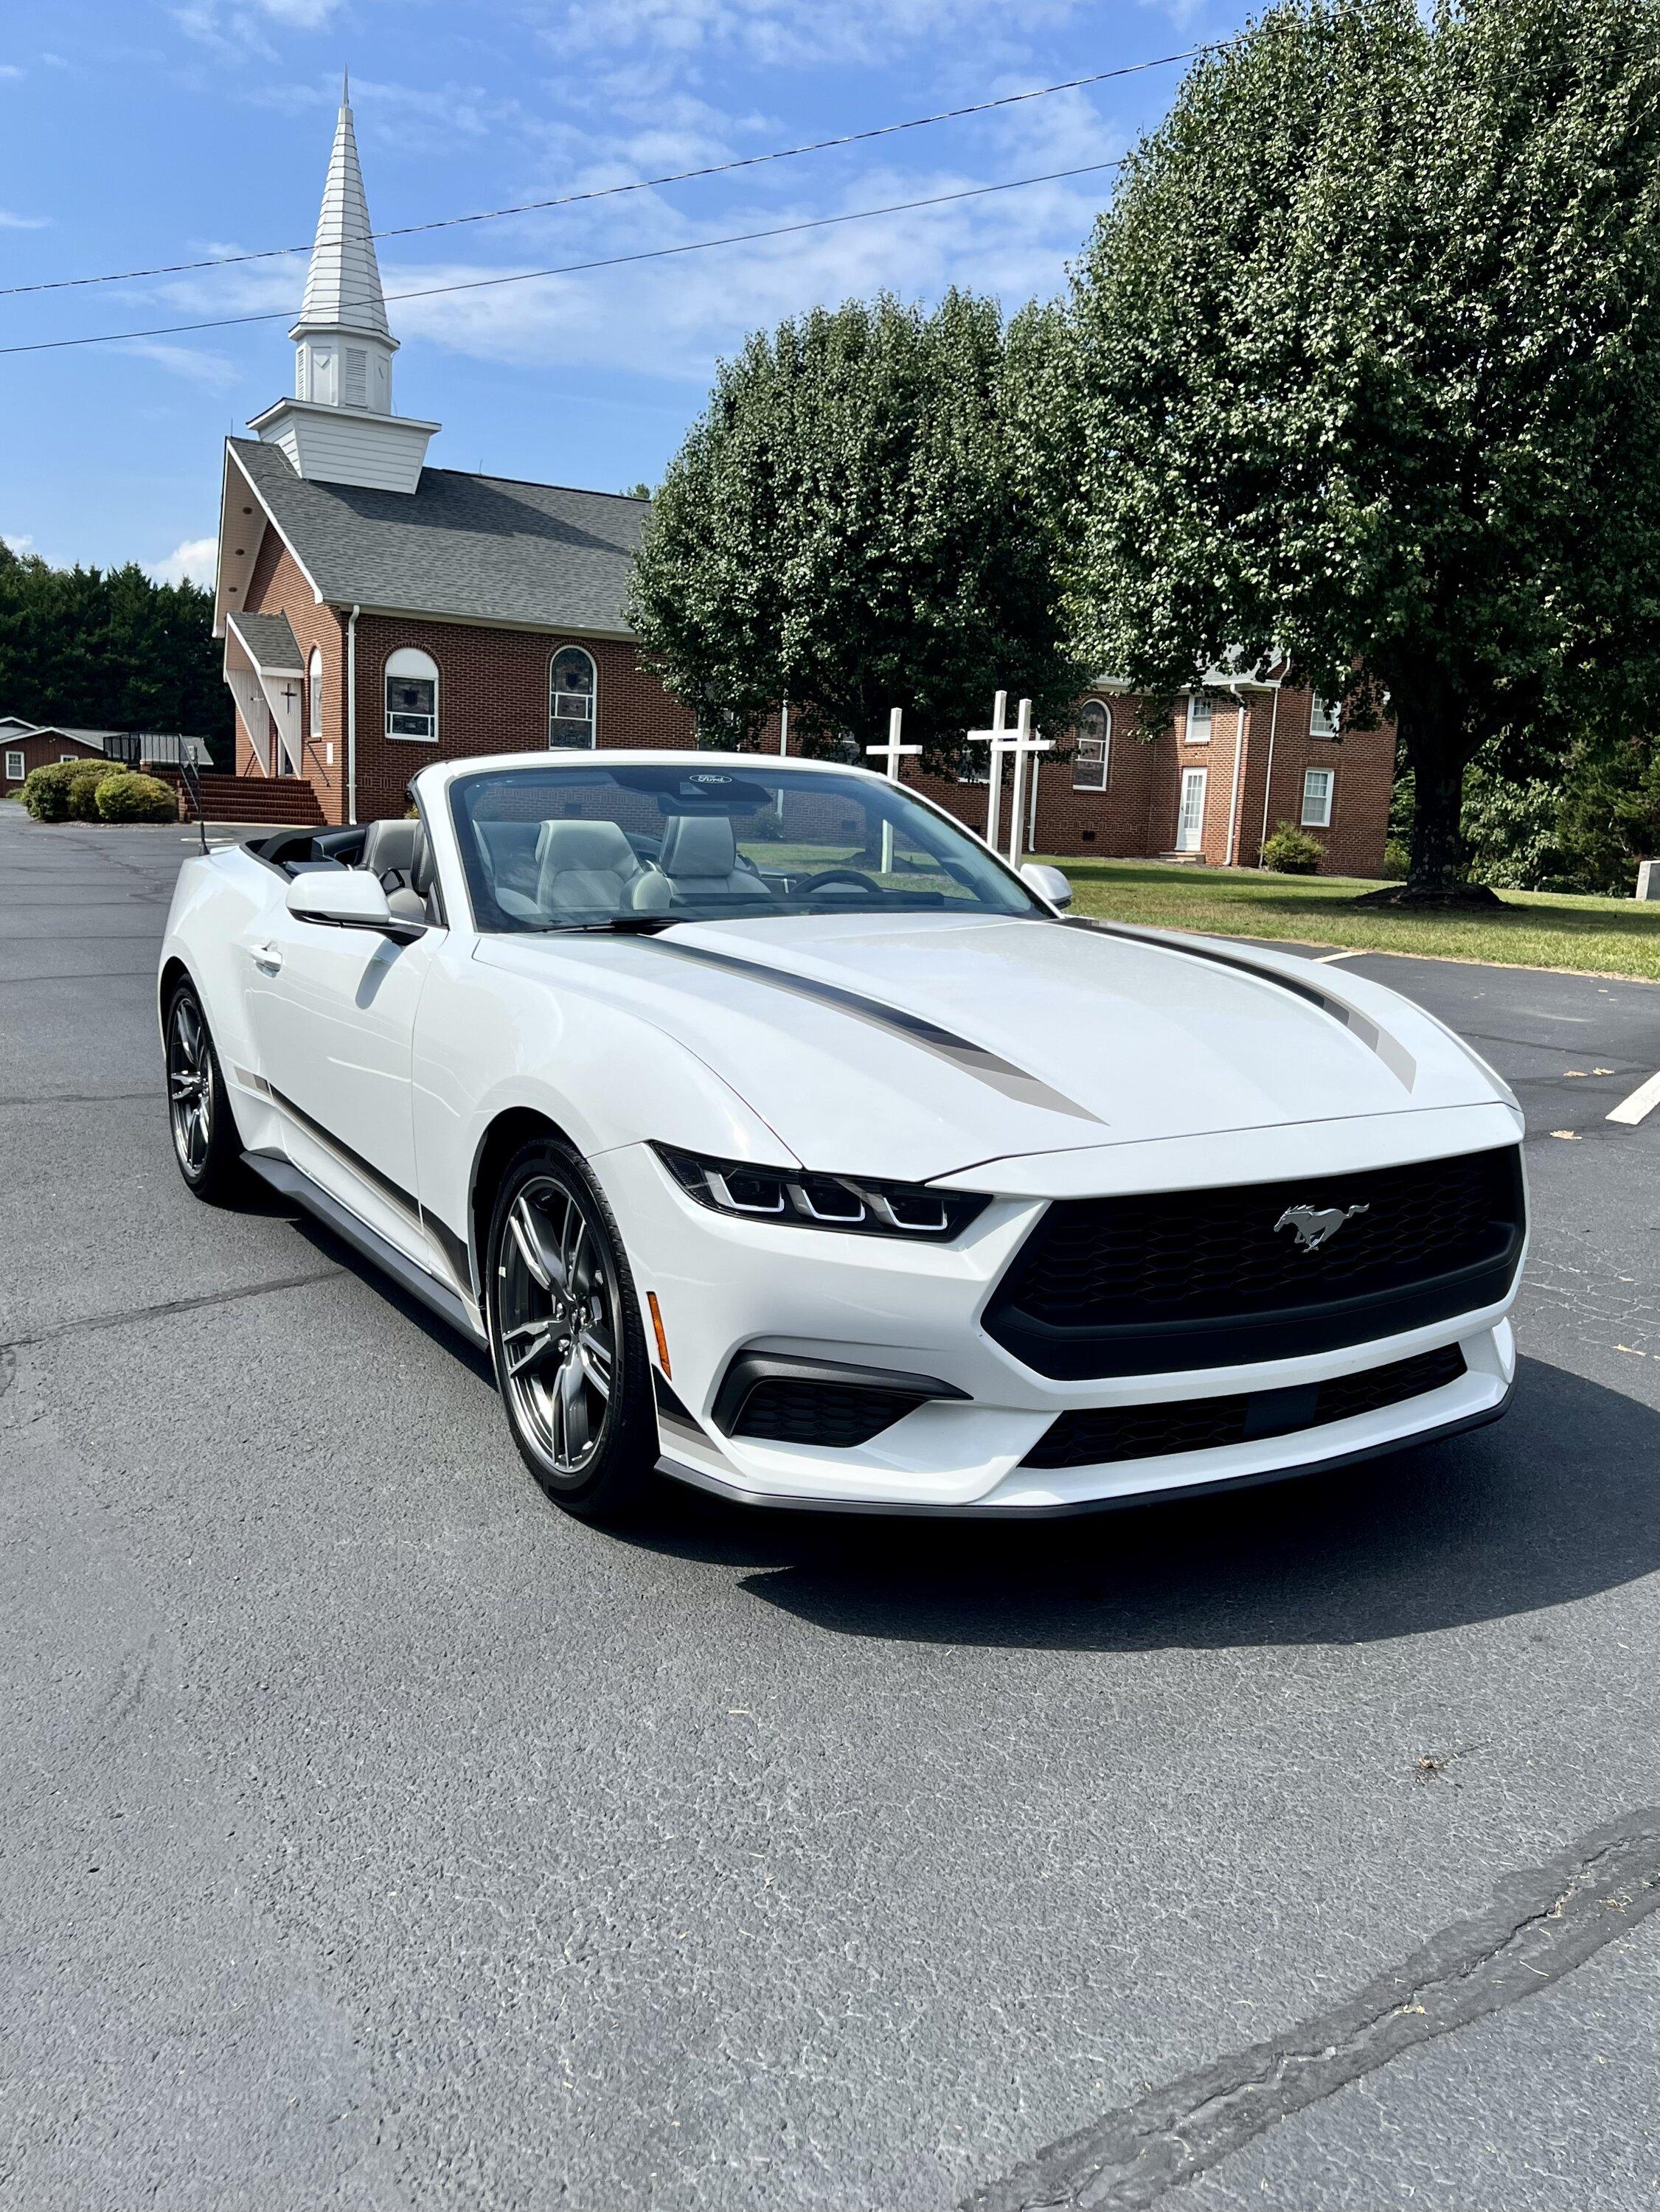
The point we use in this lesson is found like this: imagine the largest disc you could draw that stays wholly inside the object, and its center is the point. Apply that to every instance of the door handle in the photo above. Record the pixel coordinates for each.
(267, 959)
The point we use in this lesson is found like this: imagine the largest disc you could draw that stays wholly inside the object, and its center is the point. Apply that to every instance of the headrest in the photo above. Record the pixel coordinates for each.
(586, 845)
(390, 844)
(699, 845)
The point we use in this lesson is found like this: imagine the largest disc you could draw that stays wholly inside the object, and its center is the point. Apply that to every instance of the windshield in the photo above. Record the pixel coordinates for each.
(571, 847)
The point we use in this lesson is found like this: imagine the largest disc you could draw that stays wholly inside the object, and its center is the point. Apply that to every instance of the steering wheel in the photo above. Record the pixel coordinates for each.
(840, 876)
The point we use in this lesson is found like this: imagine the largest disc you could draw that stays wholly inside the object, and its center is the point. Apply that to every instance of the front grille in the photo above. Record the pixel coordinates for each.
(788, 1410)
(1099, 1435)
(1173, 1280)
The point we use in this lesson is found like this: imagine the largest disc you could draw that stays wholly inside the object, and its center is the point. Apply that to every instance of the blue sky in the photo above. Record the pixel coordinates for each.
(138, 132)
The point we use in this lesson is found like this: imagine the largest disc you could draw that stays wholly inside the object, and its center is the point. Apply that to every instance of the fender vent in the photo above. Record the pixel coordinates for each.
(1100, 1435)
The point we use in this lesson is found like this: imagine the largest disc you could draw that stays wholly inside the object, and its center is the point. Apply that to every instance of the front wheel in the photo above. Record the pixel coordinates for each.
(566, 1336)
(205, 1143)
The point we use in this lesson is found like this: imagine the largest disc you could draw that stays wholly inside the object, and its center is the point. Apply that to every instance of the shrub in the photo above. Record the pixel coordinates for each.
(83, 780)
(127, 796)
(1397, 860)
(1292, 851)
(46, 791)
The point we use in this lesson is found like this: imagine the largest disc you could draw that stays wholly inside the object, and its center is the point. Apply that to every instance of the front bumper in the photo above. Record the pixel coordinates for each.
(725, 1286)
(1101, 1501)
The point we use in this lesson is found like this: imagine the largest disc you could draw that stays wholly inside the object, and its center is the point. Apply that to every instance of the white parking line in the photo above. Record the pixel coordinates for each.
(1325, 959)
(1643, 1101)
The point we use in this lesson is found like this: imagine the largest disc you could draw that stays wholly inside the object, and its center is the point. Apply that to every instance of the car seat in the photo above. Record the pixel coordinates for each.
(699, 860)
(395, 854)
(587, 867)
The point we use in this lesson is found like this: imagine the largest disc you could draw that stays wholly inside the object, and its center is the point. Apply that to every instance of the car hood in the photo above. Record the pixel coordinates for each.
(922, 1045)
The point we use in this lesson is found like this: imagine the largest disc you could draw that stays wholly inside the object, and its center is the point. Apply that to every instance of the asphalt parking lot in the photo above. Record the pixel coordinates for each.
(374, 1836)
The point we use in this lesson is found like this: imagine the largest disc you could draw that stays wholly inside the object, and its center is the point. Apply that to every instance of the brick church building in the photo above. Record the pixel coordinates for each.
(377, 612)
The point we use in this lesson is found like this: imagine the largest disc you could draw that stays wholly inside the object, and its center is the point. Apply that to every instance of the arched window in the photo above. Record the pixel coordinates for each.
(1092, 738)
(412, 694)
(315, 693)
(571, 694)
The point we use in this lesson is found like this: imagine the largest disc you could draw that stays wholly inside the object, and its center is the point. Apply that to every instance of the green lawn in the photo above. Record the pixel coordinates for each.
(1534, 929)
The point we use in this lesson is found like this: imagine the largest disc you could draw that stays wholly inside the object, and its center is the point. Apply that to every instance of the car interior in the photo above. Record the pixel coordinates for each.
(539, 871)
(395, 850)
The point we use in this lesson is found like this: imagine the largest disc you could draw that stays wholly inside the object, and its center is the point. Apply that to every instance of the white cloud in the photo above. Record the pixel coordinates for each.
(9, 72)
(10, 222)
(195, 559)
(385, 110)
(233, 28)
(674, 317)
(18, 545)
(190, 362)
(796, 33)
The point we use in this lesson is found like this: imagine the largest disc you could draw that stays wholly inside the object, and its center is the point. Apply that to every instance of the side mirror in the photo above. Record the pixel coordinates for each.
(1048, 883)
(346, 898)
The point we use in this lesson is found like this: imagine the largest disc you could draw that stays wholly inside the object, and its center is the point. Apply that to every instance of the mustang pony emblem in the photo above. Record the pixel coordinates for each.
(1316, 1225)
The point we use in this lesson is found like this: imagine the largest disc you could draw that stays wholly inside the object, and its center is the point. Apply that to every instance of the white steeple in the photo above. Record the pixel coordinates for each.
(339, 426)
(344, 347)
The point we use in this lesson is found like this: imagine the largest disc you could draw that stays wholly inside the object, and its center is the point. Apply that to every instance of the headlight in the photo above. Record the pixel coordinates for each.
(804, 1200)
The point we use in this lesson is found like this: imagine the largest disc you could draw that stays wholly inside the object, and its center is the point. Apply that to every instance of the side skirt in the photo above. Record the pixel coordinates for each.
(293, 1182)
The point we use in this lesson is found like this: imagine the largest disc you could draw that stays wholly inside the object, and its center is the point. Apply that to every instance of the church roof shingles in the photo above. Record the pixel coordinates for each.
(271, 640)
(464, 547)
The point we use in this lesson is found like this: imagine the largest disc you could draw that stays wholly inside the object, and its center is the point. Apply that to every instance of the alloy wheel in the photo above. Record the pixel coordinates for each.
(557, 1312)
(189, 1085)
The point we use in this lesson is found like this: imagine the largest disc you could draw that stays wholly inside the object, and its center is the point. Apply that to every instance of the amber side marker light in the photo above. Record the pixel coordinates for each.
(662, 1340)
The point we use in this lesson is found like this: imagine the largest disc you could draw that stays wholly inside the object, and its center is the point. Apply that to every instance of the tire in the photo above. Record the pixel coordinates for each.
(567, 1338)
(205, 1142)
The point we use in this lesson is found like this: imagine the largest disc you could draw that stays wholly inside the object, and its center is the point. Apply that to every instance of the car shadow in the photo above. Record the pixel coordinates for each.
(1558, 1501)
(322, 1238)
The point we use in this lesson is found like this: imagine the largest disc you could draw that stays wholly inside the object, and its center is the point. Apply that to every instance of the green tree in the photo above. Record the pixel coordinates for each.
(853, 525)
(1370, 343)
(110, 649)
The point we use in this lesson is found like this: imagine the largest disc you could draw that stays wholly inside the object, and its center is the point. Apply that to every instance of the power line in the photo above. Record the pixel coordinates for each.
(636, 184)
(576, 268)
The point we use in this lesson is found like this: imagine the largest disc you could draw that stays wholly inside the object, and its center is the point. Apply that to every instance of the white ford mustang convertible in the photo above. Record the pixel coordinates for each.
(774, 1134)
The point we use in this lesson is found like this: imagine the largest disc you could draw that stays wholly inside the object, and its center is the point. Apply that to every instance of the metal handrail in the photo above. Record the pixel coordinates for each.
(191, 782)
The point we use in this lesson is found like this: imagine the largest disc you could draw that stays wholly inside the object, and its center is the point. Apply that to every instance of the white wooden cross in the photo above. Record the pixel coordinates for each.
(1025, 747)
(997, 738)
(892, 753)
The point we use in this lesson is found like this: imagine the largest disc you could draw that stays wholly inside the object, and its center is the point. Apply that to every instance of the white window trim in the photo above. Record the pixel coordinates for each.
(1333, 711)
(1207, 713)
(571, 645)
(1106, 749)
(315, 693)
(1322, 821)
(412, 736)
(64, 759)
(15, 768)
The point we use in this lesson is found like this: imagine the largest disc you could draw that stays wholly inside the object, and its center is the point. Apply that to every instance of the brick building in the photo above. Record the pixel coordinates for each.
(377, 612)
(25, 746)
(1236, 759)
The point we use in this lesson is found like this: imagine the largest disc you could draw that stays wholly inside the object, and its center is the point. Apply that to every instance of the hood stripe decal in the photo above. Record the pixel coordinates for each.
(971, 1059)
(1393, 1054)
